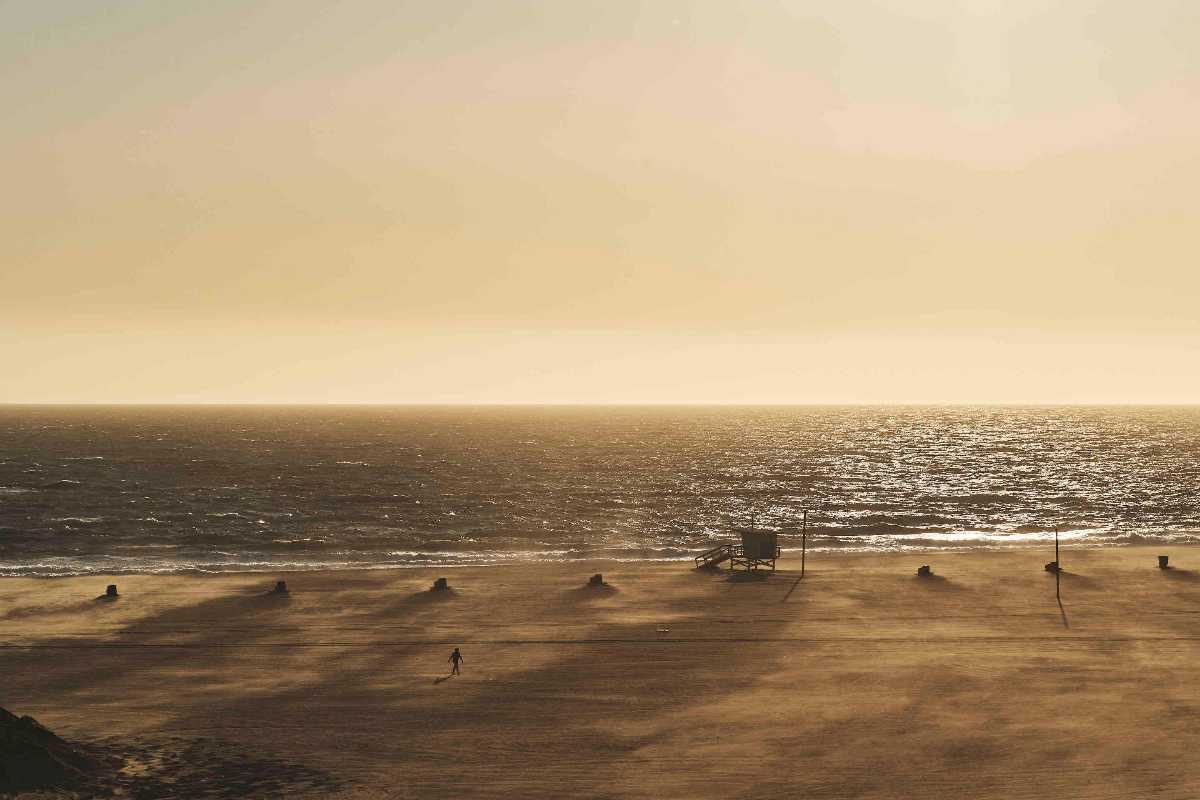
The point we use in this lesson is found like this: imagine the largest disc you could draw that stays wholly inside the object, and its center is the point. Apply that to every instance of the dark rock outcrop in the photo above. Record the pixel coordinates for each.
(31, 757)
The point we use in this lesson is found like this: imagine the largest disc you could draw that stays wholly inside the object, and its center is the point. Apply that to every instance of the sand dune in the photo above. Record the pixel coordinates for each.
(859, 681)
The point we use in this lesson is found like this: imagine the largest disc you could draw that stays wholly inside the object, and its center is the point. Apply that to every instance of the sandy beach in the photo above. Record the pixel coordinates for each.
(861, 680)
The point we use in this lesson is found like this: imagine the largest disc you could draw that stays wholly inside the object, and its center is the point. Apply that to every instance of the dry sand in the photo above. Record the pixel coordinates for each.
(859, 681)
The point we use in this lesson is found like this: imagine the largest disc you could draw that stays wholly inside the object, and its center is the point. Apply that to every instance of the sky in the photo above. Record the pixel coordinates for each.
(659, 201)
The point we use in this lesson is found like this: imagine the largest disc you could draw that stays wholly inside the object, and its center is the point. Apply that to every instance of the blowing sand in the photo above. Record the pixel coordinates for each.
(859, 681)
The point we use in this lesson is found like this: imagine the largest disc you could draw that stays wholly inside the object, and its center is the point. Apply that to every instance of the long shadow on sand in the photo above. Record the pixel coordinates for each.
(412, 609)
(181, 652)
(25, 612)
(428, 597)
(589, 594)
(1075, 579)
(349, 693)
(747, 576)
(550, 713)
(791, 589)
(937, 583)
(1174, 573)
(1063, 612)
(160, 642)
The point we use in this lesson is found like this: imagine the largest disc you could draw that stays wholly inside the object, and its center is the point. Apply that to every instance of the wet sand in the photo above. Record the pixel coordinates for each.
(862, 680)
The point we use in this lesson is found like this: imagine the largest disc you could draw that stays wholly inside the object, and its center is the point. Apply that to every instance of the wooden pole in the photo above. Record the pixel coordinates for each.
(1057, 567)
(803, 541)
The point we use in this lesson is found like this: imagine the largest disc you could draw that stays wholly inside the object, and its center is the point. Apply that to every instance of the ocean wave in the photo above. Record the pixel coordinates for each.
(978, 498)
(64, 483)
(973, 540)
(1001, 537)
(877, 529)
(110, 564)
(235, 562)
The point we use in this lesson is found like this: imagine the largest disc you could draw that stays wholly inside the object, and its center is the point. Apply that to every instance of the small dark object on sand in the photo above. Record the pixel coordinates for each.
(1162, 562)
(596, 580)
(1052, 566)
(280, 587)
(441, 585)
(111, 591)
(924, 571)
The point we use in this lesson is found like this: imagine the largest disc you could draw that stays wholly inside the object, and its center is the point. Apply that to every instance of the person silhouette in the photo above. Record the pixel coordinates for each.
(455, 658)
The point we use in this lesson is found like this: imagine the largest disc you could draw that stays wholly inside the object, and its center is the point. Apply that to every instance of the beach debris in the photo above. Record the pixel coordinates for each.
(33, 758)
(1052, 566)
(280, 588)
(441, 585)
(663, 630)
(1162, 562)
(111, 591)
(596, 580)
(924, 571)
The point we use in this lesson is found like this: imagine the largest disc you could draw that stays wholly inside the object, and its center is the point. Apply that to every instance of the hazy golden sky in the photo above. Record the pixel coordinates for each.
(569, 201)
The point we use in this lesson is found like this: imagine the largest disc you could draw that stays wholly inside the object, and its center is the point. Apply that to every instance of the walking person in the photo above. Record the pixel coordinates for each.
(455, 658)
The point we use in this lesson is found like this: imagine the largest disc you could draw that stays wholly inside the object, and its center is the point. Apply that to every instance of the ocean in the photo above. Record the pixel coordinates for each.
(134, 489)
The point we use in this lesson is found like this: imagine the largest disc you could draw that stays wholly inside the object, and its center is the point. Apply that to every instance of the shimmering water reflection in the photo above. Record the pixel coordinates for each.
(140, 489)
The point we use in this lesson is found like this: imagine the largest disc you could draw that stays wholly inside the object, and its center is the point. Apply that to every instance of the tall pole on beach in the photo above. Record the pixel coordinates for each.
(803, 540)
(1057, 567)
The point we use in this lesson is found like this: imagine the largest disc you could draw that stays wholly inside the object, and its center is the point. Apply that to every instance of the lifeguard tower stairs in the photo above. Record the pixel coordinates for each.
(757, 550)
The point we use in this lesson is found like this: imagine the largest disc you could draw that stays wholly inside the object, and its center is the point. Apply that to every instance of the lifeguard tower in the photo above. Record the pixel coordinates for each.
(757, 550)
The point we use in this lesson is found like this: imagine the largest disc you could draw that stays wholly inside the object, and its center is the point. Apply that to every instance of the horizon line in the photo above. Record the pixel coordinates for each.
(599, 404)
